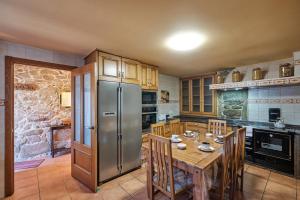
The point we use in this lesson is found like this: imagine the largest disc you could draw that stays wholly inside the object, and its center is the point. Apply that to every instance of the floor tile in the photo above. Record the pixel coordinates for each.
(283, 180)
(278, 191)
(133, 186)
(257, 171)
(115, 193)
(53, 180)
(254, 183)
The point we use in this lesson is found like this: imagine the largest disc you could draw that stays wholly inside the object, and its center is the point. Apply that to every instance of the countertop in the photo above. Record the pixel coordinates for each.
(239, 123)
(235, 123)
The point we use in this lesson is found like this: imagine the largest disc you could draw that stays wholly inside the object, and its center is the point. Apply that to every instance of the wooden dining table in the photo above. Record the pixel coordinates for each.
(194, 161)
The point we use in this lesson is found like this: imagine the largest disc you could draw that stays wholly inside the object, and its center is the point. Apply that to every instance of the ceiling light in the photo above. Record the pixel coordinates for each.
(185, 41)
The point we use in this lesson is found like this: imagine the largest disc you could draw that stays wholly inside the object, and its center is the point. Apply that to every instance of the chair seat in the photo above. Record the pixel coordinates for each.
(181, 180)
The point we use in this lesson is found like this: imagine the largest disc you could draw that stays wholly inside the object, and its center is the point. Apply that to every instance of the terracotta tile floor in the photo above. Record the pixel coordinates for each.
(52, 180)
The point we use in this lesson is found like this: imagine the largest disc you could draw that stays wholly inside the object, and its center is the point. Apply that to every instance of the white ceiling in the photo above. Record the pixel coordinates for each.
(238, 31)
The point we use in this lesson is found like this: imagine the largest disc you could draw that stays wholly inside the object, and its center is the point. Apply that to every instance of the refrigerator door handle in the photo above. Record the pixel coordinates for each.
(119, 129)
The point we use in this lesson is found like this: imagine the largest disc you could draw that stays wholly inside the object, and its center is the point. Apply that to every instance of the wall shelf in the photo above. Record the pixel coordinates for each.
(259, 83)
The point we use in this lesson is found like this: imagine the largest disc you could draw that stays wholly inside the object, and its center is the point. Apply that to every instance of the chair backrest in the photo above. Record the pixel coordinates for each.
(228, 162)
(217, 127)
(175, 126)
(158, 129)
(240, 148)
(160, 162)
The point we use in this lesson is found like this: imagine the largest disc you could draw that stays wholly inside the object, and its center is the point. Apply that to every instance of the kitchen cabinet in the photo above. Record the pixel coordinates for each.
(115, 68)
(109, 67)
(131, 71)
(196, 97)
(185, 96)
(149, 78)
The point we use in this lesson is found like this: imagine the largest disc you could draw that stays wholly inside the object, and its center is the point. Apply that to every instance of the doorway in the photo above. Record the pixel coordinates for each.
(33, 109)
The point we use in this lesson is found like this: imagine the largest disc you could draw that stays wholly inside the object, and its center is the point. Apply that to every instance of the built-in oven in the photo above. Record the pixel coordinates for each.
(274, 149)
(149, 97)
(271, 143)
(149, 116)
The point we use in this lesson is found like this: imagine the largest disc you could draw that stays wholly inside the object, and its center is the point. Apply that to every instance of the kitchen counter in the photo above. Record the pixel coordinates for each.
(239, 123)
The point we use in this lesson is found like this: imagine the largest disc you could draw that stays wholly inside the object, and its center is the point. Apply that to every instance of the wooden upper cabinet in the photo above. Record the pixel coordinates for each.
(196, 97)
(208, 105)
(119, 69)
(109, 67)
(185, 96)
(149, 78)
(131, 71)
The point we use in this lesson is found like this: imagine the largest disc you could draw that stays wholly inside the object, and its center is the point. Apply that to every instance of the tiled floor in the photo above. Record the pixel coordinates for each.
(52, 180)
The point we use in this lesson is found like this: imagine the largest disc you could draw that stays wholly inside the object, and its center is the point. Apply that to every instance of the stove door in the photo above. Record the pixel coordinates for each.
(275, 144)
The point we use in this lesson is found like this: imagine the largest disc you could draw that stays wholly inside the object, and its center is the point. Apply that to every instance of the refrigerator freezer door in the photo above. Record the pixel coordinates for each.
(131, 126)
(107, 130)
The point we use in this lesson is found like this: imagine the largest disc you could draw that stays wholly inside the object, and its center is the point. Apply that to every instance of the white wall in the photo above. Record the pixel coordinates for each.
(171, 84)
(28, 52)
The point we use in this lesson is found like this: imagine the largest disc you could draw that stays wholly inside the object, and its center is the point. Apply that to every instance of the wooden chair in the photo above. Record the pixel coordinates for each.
(240, 158)
(158, 129)
(175, 127)
(162, 176)
(217, 127)
(227, 177)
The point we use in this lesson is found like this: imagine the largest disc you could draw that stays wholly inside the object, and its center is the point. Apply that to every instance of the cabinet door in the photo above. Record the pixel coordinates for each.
(196, 91)
(208, 95)
(109, 67)
(131, 71)
(144, 81)
(152, 78)
(185, 96)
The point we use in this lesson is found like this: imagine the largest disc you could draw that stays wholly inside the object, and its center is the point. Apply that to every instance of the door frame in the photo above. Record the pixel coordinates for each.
(9, 112)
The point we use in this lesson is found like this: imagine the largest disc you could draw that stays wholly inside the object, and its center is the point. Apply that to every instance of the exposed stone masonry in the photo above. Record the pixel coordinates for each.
(233, 104)
(37, 107)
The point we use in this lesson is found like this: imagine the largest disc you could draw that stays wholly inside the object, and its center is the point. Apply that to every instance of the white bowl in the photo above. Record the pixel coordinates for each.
(181, 146)
(209, 134)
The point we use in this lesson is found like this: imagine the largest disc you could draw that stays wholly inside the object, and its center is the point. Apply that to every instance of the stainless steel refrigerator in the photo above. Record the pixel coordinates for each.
(119, 128)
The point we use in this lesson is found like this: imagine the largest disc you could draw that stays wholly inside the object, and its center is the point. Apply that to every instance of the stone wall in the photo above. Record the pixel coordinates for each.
(233, 104)
(37, 107)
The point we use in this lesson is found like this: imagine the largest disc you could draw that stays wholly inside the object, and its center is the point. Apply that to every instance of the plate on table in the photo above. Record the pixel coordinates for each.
(177, 140)
(190, 135)
(206, 148)
(218, 141)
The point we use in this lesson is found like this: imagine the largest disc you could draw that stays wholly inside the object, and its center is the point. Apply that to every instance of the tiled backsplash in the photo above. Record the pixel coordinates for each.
(285, 98)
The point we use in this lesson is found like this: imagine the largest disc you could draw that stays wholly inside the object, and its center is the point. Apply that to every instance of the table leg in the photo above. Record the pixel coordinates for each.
(200, 187)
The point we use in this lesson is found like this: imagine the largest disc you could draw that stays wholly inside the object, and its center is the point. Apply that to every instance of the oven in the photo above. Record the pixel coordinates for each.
(149, 97)
(148, 119)
(272, 143)
(149, 116)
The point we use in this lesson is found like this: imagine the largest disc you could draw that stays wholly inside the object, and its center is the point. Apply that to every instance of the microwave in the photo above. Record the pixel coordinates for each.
(149, 97)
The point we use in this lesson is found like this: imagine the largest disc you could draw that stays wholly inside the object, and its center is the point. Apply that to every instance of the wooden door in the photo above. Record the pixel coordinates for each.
(131, 71)
(152, 78)
(109, 67)
(84, 138)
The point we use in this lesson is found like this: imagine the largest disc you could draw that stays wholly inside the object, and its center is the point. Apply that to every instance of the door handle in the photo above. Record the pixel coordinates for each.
(91, 127)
